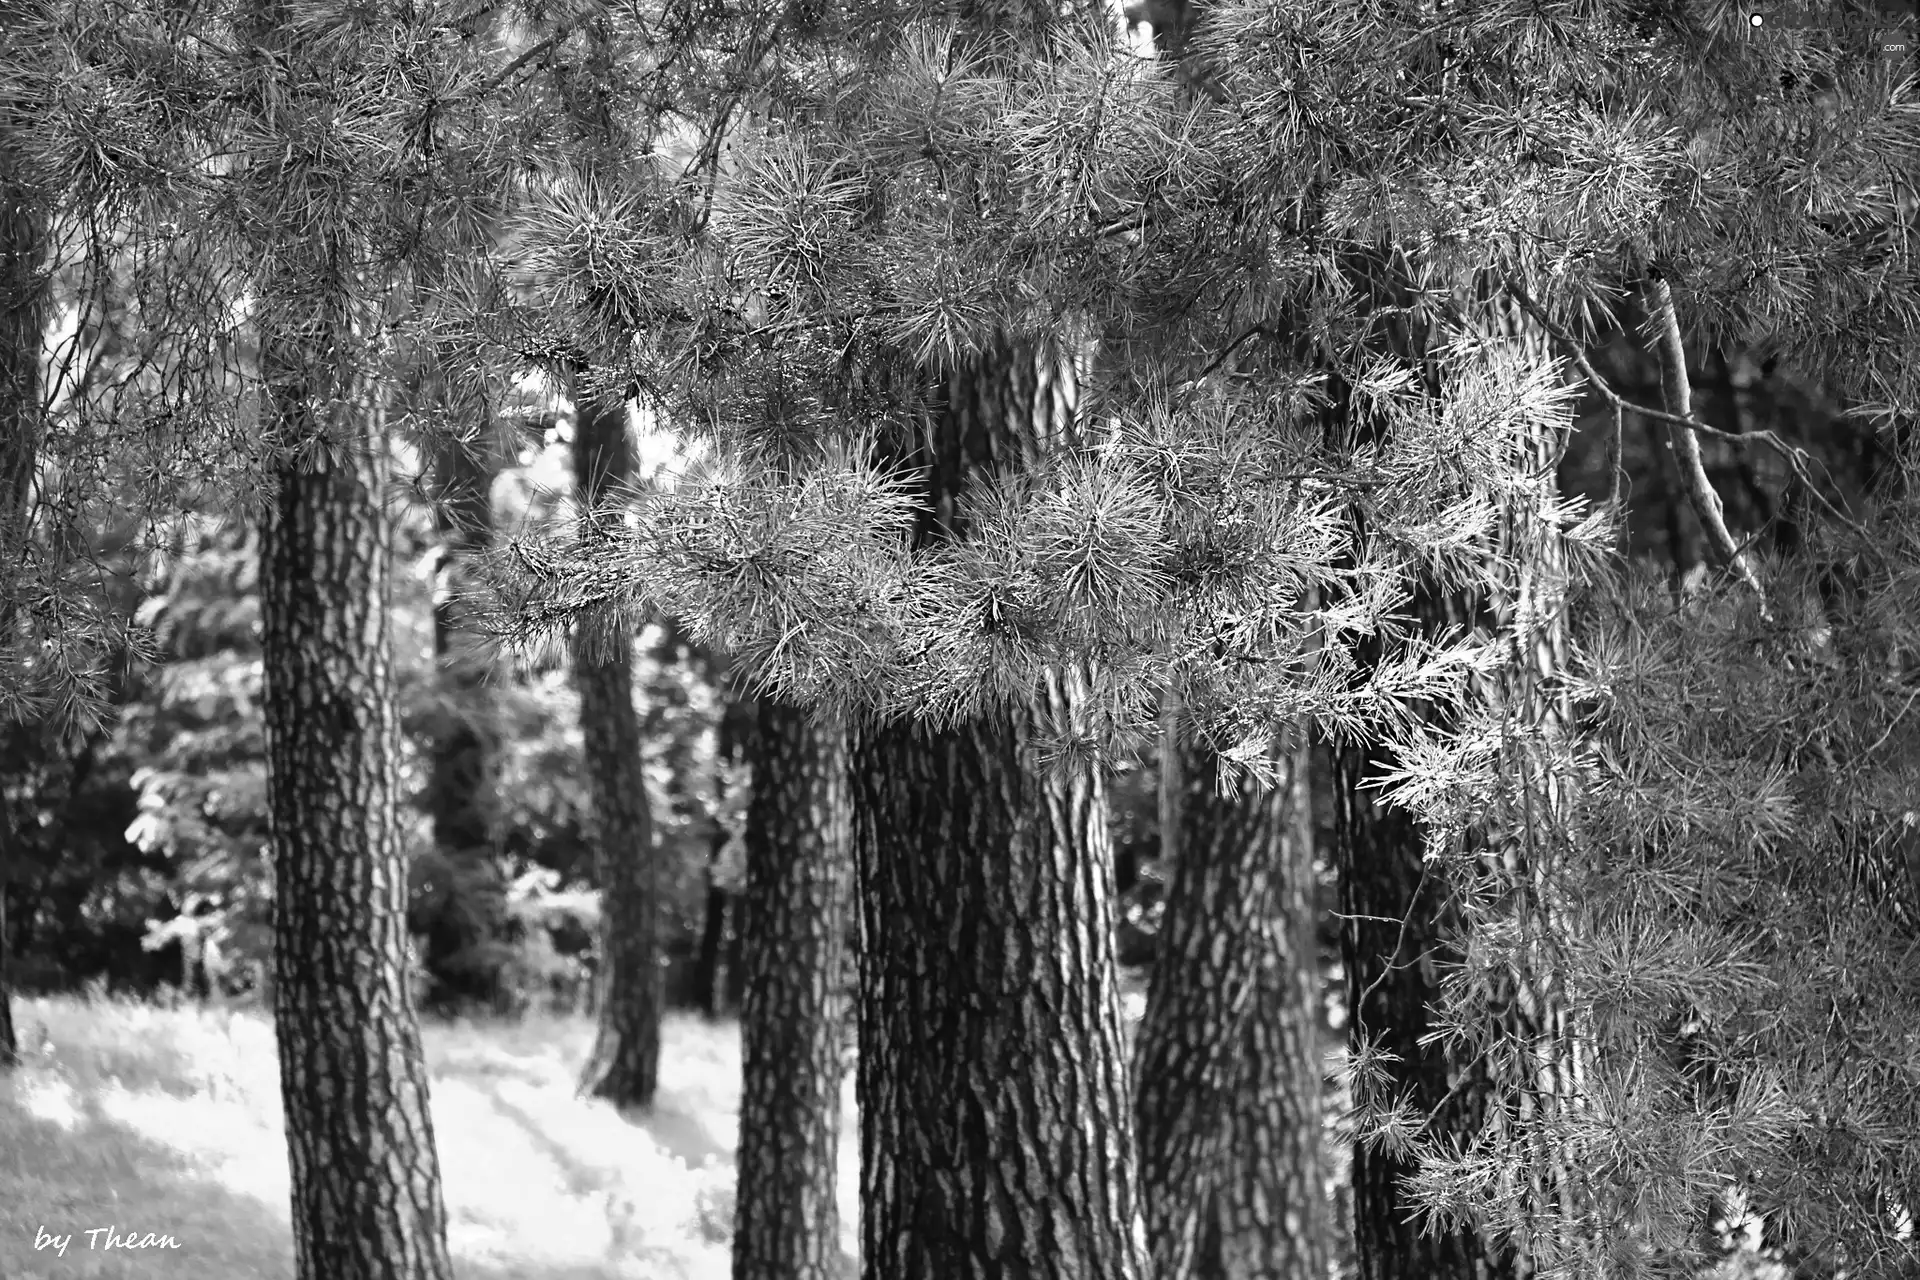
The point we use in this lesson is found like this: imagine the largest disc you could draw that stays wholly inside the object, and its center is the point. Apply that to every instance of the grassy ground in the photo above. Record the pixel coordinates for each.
(166, 1124)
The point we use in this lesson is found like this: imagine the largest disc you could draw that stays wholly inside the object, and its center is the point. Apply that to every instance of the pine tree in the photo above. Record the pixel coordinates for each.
(794, 1018)
(23, 319)
(246, 176)
(463, 905)
(1409, 916)
(1228, 1062)
(1352, 175)
(717, 978)
(588, 110)
(625, 1065)
(365, 1175)
(366, 1185)
(996, 1133)
(1399, 928)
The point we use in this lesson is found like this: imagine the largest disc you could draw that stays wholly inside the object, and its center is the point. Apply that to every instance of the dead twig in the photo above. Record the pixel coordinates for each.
(1677, 391)
(1796, 458)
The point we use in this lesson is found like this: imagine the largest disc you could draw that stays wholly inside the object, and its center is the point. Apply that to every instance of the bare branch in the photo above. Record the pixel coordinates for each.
(1797, 459)
(1677, 391)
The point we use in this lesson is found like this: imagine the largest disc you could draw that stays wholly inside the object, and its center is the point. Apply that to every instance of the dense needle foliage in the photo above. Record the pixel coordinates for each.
(1280, 294)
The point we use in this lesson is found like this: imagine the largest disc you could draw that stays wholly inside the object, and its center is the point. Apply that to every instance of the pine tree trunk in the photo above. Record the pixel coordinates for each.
(1228, 1054)
(366, 1181)
(996, 1132)
(792, 1027)
(9, 1042)
(1396, 934)
(462, 782)
(711, 967)
(1403, 925)
(23, 315)
(717, 980)
(625, 1066)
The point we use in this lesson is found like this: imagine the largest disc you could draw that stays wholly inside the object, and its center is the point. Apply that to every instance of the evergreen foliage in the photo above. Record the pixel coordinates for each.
(785, 224)
(1238, 267)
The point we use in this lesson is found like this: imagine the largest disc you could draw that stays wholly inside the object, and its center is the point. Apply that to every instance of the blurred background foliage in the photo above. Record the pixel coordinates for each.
(142, 851)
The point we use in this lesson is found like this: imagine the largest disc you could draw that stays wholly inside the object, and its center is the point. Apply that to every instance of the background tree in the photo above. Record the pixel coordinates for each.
(1228, 1070)
(603, 93)
(718, 986)
(23, 218)
(625, 1066)
(458, 904)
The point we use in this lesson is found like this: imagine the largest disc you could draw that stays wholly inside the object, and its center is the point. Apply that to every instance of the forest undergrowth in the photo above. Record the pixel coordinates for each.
(149, 1120)
(167, 1122)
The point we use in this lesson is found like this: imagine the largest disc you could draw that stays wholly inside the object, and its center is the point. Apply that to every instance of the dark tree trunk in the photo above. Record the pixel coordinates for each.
(1397, 935)
(1228, 1055)
(468, 915)
(625, 1067)
(717, 972)
(366, 1181)
(9, 1042)
(1402, 921)
(23, 314)
(793, 1025)
(712, 967)
(996, 1131)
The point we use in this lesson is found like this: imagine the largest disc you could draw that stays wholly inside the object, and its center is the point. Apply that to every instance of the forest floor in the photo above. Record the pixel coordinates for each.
(167, 1123)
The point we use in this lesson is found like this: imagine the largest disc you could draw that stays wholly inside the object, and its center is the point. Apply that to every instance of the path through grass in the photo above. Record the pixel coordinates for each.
(167, 1124)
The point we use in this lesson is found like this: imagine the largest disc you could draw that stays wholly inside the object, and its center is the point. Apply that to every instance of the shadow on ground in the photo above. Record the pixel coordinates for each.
(582, 1178)
(61, 1180)
(68, 1176)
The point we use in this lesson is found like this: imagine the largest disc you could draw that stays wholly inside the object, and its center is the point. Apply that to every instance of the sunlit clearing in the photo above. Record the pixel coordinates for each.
(170, 1121)
(49, 1100)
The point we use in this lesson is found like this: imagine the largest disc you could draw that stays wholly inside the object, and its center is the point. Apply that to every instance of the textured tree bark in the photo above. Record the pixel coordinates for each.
(1396, 935)
(625, 1066)
(366, 1181)
(1402, 919)
(23, 315)
(793, 1022)
(462, 783)
(996, 1135)
(1228, 1063)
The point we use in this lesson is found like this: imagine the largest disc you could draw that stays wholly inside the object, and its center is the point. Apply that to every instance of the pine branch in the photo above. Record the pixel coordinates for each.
(1796, 458)
(534, 51)
(1213, 366)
